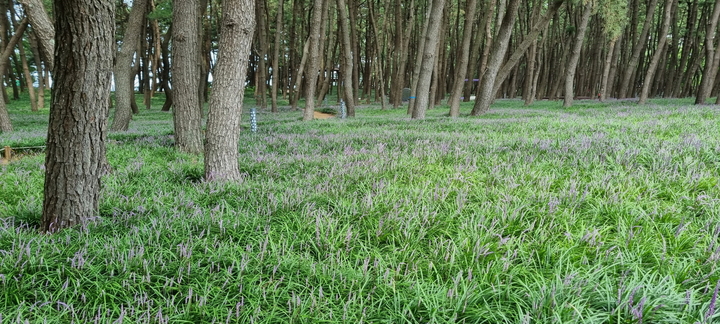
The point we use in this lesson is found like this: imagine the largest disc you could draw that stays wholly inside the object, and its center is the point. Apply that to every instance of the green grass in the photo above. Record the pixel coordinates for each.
(603, 213)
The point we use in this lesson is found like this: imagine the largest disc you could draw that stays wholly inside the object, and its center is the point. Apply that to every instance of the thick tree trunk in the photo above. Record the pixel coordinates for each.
(276, 57)
(75, 154)
(572, 65)
(461, 74)
(659, 52)
(487, 85)
(347, 66)
(429, 55)
(43, 28)
(311, 74)
(710, 70)
(5, 124)
(123, 72)
(223, 127)
(186, 77)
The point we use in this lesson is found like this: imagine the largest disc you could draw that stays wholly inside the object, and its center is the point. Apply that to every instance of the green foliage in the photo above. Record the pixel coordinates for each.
(615, 15)
(604, 213)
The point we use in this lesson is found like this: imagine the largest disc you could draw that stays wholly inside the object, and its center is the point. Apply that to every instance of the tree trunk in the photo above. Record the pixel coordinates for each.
(572, 65)
(461, 74)
(75, 154)
(276, 57)
(123, 72)
(43, 28)
(529, 39)
(626, 90)
(487, 95)
(223, 126)
(186, 77)
(311, 74)
(606, 70)
(165, 74)
(261, 87)
(662, 39)
(429, 54)
(380, 82)
(347, 66)
(418, 64)
(710, 70)
(5, 124)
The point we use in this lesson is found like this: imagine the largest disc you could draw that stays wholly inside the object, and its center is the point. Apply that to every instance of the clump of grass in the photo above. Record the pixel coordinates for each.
(600, 214)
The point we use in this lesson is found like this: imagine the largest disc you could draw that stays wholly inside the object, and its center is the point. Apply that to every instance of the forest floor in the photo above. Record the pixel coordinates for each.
(601, 213)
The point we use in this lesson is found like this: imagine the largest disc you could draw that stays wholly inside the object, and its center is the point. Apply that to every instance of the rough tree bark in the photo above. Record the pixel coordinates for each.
(75, 154)
(226, 103)
(186, 77)
(123, 72)
(575, 57)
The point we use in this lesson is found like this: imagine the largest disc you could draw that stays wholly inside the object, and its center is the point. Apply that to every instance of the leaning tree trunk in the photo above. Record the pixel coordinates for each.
(487, 85)
(186, 77)
(459, 82)
(5, 124)
(124, 70)
(223, 127)
(572, 65)
(626, 89)
(662, 40)
(43, 27)
(710, 70)
(429, 54)
(311, 74)
(75, 154)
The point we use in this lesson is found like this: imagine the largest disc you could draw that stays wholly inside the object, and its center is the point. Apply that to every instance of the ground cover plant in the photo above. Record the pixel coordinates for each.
(602, 213)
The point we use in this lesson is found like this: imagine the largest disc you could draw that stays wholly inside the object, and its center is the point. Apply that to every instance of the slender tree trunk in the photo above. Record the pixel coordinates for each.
(75, 154)
(314, 59)
(572, 65)
(165, 75)
(295, 93)
(529, 39)
(276, 57)
(606, 70)
(347, 60)
(261, 88)
(186, 77)
(710, 70)
(124, 77)
(418, 64)
(461, 74)
(429, 55)
(223, 126)
(5, 124)
(380, 83)
(487, 95)
(662, 39)
(626, 89)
